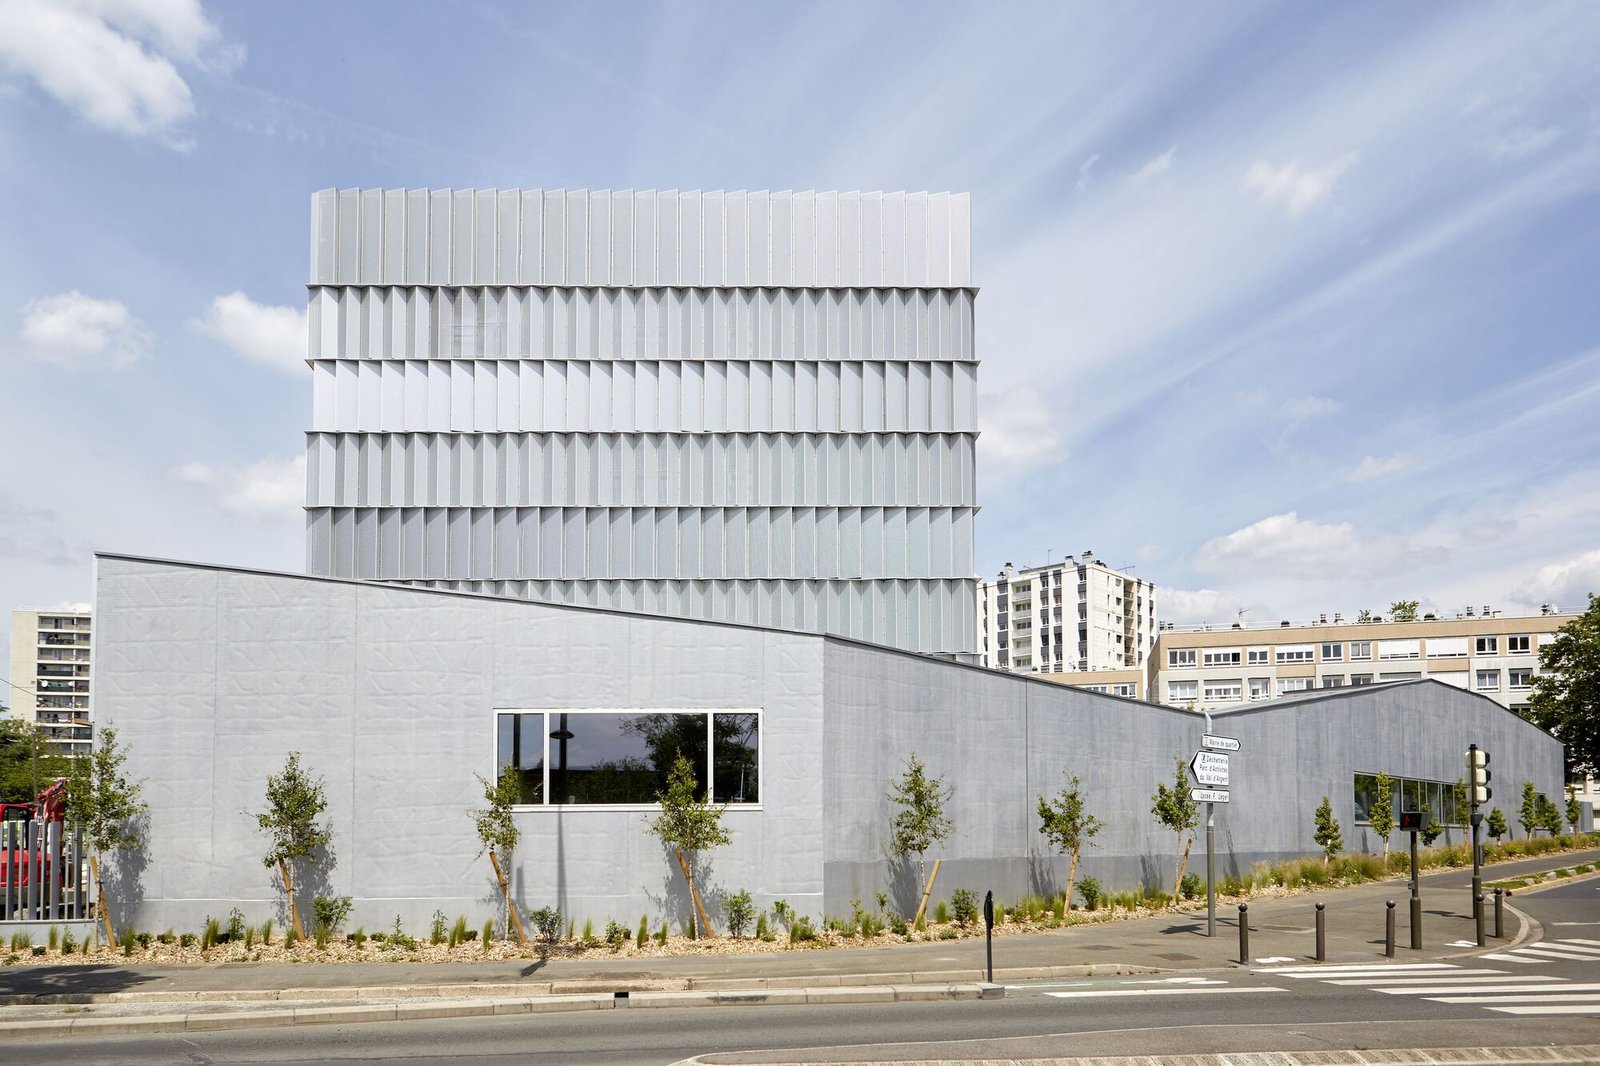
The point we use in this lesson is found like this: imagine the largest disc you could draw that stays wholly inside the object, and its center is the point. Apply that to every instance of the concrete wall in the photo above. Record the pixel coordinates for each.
(213, 676)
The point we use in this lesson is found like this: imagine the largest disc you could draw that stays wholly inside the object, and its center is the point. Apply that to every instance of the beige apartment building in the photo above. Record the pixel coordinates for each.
(1075, 615)
(50, 668)
(1490, 652)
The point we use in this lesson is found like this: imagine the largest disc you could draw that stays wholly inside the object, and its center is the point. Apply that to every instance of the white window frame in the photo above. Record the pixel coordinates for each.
(1181, 658)
(1364, 653)
(1527, 674)
(1221, 657)
(1338, 652)
(1192, 690)
(1215, 690)
(1296, 654)
(1288, 686)
(1479, 686)
(1526, 642)
(1486, 645)
(1260, 688)
(1258, 657)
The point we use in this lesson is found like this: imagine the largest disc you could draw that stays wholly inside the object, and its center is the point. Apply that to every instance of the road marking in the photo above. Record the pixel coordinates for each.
(1575, 923)
(1550, 953)
(1509, 958)
(1366, 976)
(1555, 1008)
(1269, 960)
(1582, 997)
(1462, 944)
(1445, 990)
(1187, 991)
(1410, 982)
(1362, 967)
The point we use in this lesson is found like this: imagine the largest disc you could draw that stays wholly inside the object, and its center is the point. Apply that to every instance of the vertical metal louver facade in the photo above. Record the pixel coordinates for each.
(746, 407)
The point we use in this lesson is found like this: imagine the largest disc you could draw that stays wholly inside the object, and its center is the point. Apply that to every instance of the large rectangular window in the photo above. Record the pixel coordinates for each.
(623, 757)
(1441, 799)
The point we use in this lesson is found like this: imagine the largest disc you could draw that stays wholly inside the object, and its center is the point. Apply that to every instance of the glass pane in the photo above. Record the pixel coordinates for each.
(1436, 800)
(520, 743)
(1366, 790)
(621, 758)
(735, 773)
(1414, 795)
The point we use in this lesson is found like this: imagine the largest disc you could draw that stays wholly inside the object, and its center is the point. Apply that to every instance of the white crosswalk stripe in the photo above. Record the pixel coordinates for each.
(1189, 990)
(1489, 988)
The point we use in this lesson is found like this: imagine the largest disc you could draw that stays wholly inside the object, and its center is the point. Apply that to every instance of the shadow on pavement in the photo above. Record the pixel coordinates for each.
(59, 980)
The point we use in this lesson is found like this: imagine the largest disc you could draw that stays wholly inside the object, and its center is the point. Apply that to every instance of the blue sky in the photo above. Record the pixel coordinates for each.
(1292, 307)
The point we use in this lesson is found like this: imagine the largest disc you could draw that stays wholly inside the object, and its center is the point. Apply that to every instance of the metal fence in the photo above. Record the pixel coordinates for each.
(43, 875)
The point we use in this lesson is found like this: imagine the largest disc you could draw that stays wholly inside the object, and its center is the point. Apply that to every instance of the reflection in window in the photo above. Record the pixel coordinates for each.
(1445, 801)
(608, 757)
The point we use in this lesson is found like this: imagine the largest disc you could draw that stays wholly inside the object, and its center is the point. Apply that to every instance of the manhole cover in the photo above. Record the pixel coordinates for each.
(1176, 957)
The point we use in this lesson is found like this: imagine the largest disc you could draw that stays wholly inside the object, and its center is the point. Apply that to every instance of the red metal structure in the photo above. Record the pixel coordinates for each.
(49, 806)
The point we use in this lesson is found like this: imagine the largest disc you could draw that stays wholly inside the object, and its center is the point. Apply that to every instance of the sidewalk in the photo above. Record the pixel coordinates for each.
(36, 1001)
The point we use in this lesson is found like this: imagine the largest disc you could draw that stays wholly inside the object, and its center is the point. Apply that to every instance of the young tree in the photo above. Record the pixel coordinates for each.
(1067, 826)
(1574, 811)
(1495, 824)
(1528, 810)
(688, 826)
(1566, 691)
(1431, 827)
(921, 822)
(1327, 834)
(1381, 813)
(1364, 617)
(498, 834)
(1403, 611)
(102, 800)
(1174, 809)
(1549, 815)
(294, 803)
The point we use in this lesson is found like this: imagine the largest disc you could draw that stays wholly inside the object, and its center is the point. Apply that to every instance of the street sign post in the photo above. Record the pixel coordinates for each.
(1209, 795)
(1210, 768)
(1216, 743)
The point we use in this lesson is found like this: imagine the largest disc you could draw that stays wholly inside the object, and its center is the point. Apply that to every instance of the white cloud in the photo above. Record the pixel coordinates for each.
(1520, 142)
(1155, 168)
(112, 60)
(1373, 467)
(1295, 187)
(1567, 584)
(275, 336)
(1197, 607)
(1017, 431)
(73, 330)
(271, 488)
(1285, 544)
(1083, 171)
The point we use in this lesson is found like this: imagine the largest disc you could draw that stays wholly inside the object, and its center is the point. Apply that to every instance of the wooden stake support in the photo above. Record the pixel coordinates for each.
(927, 891)
(505, 890)
(694, 894)
(288, 890)
(100, 889)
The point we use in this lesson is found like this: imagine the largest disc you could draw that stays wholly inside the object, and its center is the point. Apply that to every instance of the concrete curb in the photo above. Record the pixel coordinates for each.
(482, 1007)
(1475, 1056)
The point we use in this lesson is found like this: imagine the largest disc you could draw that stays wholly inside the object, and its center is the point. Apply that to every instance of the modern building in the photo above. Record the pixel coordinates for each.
(50, 669)
(747, 407)
(1491, 653)
(402, 697)
(1075, 615)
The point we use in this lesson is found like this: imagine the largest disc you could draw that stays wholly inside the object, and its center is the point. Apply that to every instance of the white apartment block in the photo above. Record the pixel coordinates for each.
(743, 407)
(50, 660)
(1491, 653)
(1075, 615)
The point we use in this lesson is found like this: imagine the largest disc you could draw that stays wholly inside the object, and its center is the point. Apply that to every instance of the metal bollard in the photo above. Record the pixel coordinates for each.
(1388, 930)
(1499, 914)
(1477, 911)
(1244, 934)
(1322, 934)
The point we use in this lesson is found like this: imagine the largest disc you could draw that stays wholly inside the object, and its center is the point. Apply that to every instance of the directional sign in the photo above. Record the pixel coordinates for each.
(1219, 743)
(1209, 795)
(1210, 768)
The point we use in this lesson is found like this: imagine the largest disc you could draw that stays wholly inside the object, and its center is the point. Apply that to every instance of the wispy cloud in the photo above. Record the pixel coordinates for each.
(75, 331)
(1520, 142)
(1294, 186)
(1083, 171)
(1373, 467)
(273, 336)
(1155, 168)
(269, 489)
(1017, 431)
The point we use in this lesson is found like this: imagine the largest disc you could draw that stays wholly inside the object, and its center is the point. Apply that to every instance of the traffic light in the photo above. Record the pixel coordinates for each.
(1478, 791)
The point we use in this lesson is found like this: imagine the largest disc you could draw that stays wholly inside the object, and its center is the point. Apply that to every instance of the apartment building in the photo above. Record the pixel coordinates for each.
(1075, 615)
(50, 669)
(741, 407)
(1488, 652)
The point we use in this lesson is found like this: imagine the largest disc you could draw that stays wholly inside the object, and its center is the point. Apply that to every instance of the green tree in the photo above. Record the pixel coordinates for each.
(294, 803)
(1574, 810)
(28, 762)
(920, 822)
(1431, 827)
(1549, 815)
(106, 804)
(1176, 810)
(1067, 826)
(689, 824)
(1381, 813)
(1495, 824)
(1528, 809)
(1566, 691)
(1403, 611)
(1327, 834)
(1364, 618)
(497, 831)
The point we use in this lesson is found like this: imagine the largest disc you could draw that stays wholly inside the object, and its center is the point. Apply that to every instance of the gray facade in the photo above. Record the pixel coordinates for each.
(213, 675)
(746, 407)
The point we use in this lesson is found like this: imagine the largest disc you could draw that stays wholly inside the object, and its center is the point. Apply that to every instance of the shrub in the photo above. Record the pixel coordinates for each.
(1231, 886)
(616, 934)
(329, 913)
(68, 942)
(438, 928)
(290, 937)
(212, 934)
(39, 950)
(644, 932)
(547, 920)
(964, 905)
(249, 937)
(941, 913)
(169, 937)
(1059, 907)
(763, 931)
(487, 935)
(187, 940)
(1089, 889)
(801, 931)
(1193, 886)
(55, 938)
(321, 938)
(661, 934)
(898, 926)
(359, 938)
(266, 932)
(948, 933)
(127, 941)
(739, 909)
(459, 933)
(235, 930)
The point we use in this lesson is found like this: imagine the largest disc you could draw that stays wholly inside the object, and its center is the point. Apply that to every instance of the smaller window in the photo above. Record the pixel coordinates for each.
(1332, 653)
(1487, 646)
(1221, 657)
(1260, 688)
(1125, 689)
(1332, 681)
(1181, 657)
(1224, 690)
(1297, 654)
(1360, 679)
(1287, 685)
(1518, 645)
(1260, 656)
(1182, 690)
(1361, 649)
(1488, 680)
(1520, 676)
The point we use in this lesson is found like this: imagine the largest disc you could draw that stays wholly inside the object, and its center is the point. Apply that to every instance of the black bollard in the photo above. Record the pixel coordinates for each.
(1499, 914)
(1388, 930)
(1244, 934)
(1477, 911)
(1322, 934)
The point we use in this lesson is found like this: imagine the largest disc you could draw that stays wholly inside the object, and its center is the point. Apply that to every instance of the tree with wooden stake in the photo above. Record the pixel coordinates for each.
(1327, 834)
(1381, 813)
(498, 833)
(106, 805)
(294, 803)
(1175, 809)
(689, 825)
(920, 823)
(1067, 826)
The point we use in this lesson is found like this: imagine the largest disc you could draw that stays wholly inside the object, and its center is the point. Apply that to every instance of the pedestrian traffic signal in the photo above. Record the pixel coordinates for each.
(1478, 789)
